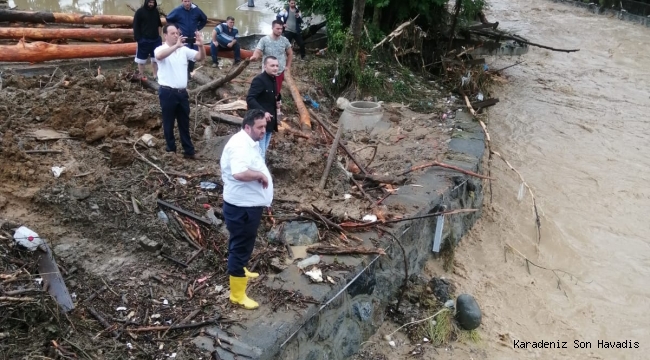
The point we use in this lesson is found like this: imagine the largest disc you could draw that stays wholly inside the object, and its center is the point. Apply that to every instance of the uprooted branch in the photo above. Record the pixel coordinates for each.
(339, 250)
(501, 35)
(222, 80)
(538, 222)
(446, 166)
(395, 33)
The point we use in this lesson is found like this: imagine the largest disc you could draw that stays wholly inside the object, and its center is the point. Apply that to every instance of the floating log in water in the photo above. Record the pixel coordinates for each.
(70, 18)
(41, 51)
(47, 34)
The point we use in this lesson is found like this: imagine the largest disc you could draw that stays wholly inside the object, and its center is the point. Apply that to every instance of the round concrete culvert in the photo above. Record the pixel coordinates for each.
(361, 115)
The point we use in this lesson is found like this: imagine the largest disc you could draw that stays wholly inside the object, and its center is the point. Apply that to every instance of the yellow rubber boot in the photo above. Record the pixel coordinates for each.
(251, 275)
(238, 293)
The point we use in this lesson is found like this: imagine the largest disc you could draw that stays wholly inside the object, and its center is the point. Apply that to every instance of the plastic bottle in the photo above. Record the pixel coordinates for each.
(312, 260)
(162, 216)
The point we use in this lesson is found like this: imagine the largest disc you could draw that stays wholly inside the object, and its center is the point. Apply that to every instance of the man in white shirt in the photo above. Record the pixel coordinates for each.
(172, 57)
(247, 190)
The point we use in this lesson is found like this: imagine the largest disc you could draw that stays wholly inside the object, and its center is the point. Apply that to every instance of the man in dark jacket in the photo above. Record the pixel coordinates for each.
(146, 31)
(189, 19)
(290, 17)
(263, 95)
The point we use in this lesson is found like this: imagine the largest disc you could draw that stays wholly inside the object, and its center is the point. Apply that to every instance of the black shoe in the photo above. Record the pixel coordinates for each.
(236, 62)
(192, 157)
(170, 150)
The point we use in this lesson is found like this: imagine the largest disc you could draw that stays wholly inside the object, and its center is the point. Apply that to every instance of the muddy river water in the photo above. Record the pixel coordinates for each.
(577, 128)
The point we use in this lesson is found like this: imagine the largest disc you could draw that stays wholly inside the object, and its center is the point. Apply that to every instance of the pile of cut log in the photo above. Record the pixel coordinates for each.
(39, 36)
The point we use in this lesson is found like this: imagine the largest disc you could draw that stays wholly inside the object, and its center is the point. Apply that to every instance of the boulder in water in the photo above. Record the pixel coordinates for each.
(468, 313)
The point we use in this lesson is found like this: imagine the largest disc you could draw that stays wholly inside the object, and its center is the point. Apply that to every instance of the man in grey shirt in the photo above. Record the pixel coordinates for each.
(278, 46)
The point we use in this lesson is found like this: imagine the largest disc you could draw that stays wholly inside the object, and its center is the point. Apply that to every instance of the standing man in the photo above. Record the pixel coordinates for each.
(277, 46)
(146, 31)
(262, 95)
(225, 36)
(188, 19)
(172, 58)
(247, 190)
(290, 17)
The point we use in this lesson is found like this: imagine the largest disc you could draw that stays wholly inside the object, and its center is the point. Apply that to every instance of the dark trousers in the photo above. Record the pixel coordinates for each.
(175, 106)
(214, 51)
(291, 36)
(242, 224)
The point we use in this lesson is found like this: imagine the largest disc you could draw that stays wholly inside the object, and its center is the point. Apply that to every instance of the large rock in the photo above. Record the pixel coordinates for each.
(442, 289)
(468, 313)
(295, 233)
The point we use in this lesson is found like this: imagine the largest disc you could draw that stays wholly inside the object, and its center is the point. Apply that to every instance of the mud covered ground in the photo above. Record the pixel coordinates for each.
(87, 214)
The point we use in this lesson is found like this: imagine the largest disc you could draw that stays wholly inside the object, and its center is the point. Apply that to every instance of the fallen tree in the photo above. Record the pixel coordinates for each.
(42, 51)
(305, 121)
(47, 34)
(71, 18)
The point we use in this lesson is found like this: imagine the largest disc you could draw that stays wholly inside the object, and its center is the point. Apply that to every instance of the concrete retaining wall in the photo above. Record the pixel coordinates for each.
(353, 309)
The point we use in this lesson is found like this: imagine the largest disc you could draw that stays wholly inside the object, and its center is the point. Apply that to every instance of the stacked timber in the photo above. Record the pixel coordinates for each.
(112, 32)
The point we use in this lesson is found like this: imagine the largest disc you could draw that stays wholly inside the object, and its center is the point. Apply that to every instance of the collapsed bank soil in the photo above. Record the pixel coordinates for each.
(133, 269)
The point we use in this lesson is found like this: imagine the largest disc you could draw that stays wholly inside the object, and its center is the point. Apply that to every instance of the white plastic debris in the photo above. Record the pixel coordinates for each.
(155, 316)
(173, 355)
(27, 238)
(39, 281)
(129, 346)
(149, 140)
(391, 343)
(449, 303)
(425, 340)
(342, 103)
(218, 288)
(181, 181)
(315, 274)
(369, 218)
(207, 185)
(121, 308)
(57, 171)
(329, 278)
(480, 96)
(347, 196)
(165, 302)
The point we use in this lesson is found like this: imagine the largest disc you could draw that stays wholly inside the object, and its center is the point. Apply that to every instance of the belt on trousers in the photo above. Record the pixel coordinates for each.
(245, 207)
(172, 89)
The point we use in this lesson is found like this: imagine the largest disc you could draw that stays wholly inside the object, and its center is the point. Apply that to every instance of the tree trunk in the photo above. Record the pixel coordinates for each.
(42, 51)
(48, 34)
(356, 29)
(376, 17)
(48, 17)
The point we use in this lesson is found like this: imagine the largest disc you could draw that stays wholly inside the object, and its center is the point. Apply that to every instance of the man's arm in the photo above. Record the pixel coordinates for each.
(164, 53)
(289, 57)
(257, 88)
(201, 54)
(252, 175)
(202, 19)
(257, 54)
(173, 16)
(136, 26)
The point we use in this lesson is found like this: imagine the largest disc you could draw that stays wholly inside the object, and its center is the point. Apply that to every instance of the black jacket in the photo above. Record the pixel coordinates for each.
(146, 22)
(262, 95)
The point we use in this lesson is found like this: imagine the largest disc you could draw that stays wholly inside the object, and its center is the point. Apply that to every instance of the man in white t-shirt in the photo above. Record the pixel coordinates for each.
(247, 190)
(172, 57)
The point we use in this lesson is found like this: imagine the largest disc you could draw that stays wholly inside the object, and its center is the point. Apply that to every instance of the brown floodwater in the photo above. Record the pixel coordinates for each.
(249, 21)
(576, 126)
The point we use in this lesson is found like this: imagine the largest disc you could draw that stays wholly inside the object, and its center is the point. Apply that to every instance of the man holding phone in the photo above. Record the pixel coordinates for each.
(290, 17)
(172, 57)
